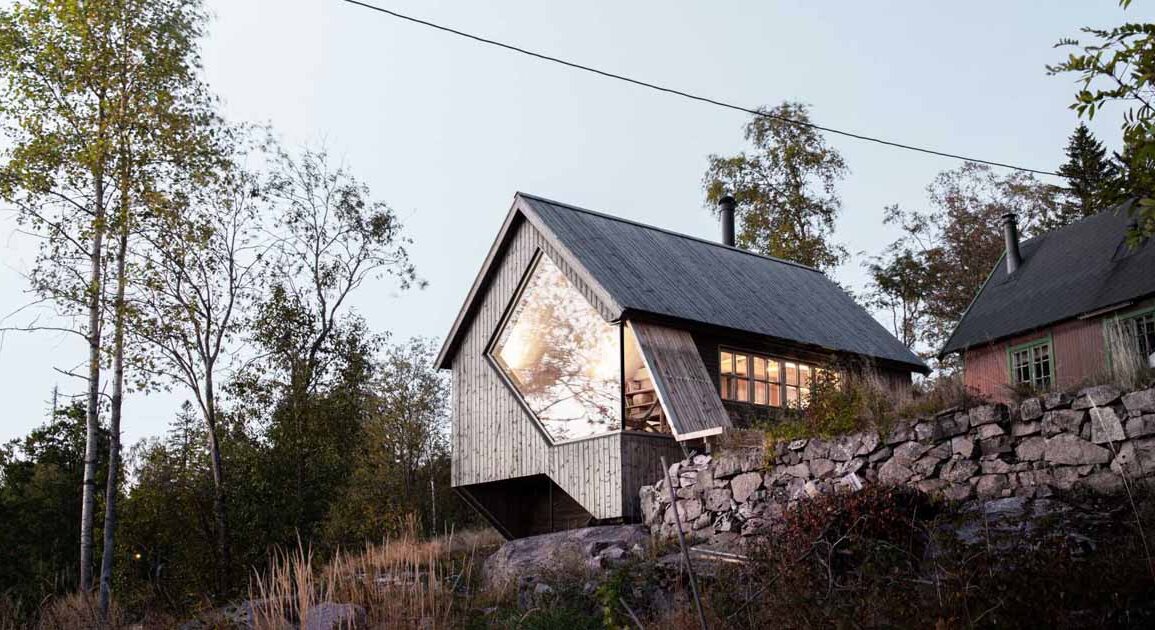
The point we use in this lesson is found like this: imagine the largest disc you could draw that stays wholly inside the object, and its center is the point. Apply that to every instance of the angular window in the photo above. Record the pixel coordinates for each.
(562, 357)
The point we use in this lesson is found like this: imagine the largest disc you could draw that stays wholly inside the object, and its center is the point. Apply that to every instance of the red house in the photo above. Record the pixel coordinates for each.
(1060, 309)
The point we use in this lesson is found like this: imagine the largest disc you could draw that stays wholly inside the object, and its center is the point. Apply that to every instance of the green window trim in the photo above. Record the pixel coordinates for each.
(1119, 318)
(1035, 378)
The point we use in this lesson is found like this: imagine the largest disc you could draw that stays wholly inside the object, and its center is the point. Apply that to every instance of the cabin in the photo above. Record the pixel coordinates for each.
(590, 346)
(1059, 309)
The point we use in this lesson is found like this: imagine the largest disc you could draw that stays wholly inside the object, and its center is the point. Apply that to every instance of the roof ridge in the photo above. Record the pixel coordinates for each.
(699, 239)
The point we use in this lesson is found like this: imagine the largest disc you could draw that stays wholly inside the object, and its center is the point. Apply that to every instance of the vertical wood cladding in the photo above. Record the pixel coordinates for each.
(493, 436)
(1078, 354)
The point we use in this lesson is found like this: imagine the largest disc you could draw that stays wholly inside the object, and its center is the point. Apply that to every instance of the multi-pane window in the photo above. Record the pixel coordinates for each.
(763, 380)
(1032, 365)
(1141, 329)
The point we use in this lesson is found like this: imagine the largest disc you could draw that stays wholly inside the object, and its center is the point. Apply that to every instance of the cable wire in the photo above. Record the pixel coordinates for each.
(690, 96)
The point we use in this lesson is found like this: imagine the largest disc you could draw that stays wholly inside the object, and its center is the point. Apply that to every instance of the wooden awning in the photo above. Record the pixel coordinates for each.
(688, 396)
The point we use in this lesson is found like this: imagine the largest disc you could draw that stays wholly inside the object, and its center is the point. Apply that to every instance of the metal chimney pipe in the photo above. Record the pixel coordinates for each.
(1011, 234)
(726, 209)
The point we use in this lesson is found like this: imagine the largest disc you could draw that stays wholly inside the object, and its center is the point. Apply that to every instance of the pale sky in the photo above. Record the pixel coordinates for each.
(446, 130)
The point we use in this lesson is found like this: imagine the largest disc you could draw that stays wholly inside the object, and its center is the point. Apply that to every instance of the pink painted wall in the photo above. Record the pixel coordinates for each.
(1078, 355)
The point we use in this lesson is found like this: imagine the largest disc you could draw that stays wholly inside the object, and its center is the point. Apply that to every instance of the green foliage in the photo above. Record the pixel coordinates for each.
(1093, 180)
(785, 188)
(956, 243)
(1118, 68)
(899, 283)
(40, 475)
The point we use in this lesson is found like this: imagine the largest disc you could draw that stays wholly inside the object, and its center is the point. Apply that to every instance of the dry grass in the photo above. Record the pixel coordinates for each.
(80, 611)
(1126, 368)
(401, 583)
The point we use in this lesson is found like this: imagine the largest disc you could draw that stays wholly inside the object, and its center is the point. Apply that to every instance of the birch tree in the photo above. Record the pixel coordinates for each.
(101, 104)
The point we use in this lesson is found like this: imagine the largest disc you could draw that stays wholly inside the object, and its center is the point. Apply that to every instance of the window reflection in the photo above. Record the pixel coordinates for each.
(562, 357)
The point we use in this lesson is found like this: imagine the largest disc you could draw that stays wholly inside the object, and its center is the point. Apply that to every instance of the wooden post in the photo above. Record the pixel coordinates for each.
(682, 544)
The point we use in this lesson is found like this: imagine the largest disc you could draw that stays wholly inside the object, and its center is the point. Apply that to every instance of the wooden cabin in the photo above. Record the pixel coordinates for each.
(1060, 310)
(590, 346)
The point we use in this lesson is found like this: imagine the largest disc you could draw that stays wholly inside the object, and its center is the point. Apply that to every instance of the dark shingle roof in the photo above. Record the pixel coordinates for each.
(1071, 271)
(649, 270)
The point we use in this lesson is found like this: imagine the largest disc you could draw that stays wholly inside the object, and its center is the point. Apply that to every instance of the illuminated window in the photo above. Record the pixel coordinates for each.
(562, 357)
(763, 380)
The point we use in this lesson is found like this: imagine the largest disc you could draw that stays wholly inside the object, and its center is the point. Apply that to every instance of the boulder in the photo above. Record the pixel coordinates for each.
(1031, 409)
(1106, 426)
(330, 616)
(1063, 420)
(1135, 458)
(901, 432)
(1055, 400)
(988, 431)
(525, 556)
(894, 473)
(908, 452)
(931, 486)
(1141, 426)
(1070, 450)
(959, 470)
(1140, 402)
(801, 471)
(1102, 482)
(989, 486)
(879, 455)
(687, 510)
(1096, 396)
(1021, 429)
(958, 492)
(821, 468)
(926, 465)
(962, 446)
(717, 499)
(995, 446)
(744, 485)
(987, 414)
(816, 449)
(1031, 449)
(651, 506)
(736, 461)
(870, 441)
(844, 448)
(995, 467)
(798, 444)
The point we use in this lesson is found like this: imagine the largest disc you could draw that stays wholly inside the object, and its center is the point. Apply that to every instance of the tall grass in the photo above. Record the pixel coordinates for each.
(1126, 367)
(403, 582)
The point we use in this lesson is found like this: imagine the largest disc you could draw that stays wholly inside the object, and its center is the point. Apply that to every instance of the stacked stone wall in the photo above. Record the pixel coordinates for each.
(1095, 440)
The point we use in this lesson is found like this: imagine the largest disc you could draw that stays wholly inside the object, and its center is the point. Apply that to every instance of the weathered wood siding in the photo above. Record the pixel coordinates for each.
(642, 466)
(688, 394)
(493, 435)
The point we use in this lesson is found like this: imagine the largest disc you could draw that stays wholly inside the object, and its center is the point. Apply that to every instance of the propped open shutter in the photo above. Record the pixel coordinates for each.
(688, 396)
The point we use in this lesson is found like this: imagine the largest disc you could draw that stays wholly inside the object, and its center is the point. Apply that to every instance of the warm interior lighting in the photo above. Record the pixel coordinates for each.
(562, 357)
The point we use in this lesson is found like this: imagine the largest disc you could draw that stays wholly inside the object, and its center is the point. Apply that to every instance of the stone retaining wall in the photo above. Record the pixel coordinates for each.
(1058, 441)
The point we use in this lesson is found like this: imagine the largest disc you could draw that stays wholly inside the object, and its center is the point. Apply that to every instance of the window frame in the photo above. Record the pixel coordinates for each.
(780, 385)
(511, 386)
(1052, 367)
(1120, 319)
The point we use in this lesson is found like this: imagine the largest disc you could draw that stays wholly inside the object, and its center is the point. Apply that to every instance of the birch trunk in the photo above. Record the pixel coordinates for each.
(95, 289)
(109, 550)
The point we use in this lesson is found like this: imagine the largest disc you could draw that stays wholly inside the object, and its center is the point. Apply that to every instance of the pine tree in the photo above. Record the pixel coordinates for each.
(1093, 179)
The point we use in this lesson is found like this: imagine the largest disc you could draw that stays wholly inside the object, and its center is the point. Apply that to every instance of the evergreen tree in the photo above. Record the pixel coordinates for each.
(1093, 182)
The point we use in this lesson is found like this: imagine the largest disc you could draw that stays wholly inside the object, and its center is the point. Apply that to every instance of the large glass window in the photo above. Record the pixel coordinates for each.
(562, 357)
(1031, 365)
(762, 380)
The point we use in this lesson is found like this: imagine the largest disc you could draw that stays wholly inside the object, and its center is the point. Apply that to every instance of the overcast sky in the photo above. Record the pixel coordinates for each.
(446, 130)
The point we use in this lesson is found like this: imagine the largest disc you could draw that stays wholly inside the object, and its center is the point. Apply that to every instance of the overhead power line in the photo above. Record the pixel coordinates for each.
(691, 96)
